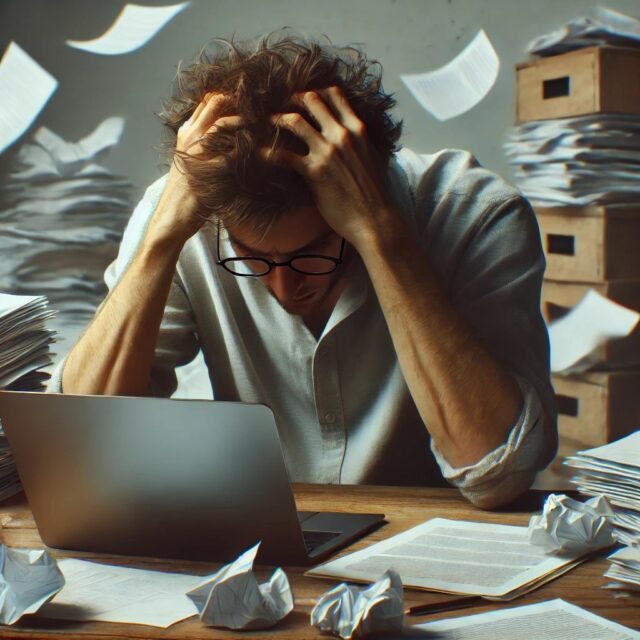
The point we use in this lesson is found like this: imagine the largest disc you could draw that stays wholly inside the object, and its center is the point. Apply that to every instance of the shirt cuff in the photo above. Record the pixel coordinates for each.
(54, 384)
(484, 482)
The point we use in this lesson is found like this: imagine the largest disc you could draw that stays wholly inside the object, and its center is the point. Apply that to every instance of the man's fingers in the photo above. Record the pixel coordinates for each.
(300, 127)
(284, 158)
(339, 104)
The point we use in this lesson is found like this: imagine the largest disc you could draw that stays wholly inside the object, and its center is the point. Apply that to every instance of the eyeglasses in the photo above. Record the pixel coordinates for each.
(309, 264)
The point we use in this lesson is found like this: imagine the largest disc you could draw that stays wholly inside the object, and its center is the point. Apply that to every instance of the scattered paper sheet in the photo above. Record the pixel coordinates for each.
(570, 526)
(352, 612)
(550, 620)
(109, 593)
(593, 321)
(454, 556)
(25, 88)
(461, 84)
(28, 578)
(132, 29)
(233, 598)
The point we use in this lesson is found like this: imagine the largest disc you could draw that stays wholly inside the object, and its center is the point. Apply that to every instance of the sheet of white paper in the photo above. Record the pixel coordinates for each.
(109, 593)
(550, 620)
(25, 88)
(453, 556)
(593, 321)
(623, 451)
(132, 29)
(461, 84)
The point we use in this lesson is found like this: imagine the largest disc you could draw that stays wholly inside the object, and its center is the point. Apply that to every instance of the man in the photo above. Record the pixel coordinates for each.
(385, 305)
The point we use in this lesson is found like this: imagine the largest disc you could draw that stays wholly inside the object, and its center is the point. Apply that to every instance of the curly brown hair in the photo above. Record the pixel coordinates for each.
(262, 76)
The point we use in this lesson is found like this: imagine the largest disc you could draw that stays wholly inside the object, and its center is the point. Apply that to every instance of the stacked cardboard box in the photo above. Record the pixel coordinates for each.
(591, 247)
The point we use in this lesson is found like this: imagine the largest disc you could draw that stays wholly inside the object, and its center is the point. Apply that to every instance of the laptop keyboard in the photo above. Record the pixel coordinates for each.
(315, 539)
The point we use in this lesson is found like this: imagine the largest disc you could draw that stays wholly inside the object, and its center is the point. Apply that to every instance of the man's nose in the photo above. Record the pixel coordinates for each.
(283, 282)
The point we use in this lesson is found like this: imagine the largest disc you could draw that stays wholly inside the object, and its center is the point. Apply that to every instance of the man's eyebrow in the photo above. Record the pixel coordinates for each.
(310, 245)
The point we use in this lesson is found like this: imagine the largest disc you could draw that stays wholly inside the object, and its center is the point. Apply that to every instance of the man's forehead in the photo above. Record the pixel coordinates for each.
(290, 233)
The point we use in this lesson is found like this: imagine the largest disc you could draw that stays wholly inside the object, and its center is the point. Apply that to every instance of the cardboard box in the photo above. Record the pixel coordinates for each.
(558, 298)
(597, 408)
(589, 80)
(591, 244)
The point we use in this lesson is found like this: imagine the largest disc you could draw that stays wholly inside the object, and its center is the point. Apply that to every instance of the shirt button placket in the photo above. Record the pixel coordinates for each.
(328, 400)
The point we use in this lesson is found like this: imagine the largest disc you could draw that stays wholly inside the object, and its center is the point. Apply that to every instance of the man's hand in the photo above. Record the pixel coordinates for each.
(342, 171)
(177, 214)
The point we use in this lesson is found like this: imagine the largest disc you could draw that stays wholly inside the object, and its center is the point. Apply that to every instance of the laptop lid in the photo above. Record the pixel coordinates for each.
(189, 479)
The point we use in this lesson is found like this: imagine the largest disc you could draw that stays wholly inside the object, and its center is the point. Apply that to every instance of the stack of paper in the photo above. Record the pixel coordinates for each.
(579, 161)
(63, 218)
(604, 27)
(613, 470)
(24, 352)
(625, 571)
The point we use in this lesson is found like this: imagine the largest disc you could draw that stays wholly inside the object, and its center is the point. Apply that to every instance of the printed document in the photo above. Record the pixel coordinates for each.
(550, 620)
(455, 556)
(95, 591)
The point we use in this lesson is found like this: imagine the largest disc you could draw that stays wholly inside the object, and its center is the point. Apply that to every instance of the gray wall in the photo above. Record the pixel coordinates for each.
(405, 35)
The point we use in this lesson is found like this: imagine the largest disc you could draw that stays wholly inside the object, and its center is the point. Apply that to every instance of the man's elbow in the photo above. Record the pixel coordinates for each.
(499, 492)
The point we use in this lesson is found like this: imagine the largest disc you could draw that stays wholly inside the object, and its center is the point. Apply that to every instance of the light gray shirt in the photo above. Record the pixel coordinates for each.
(343, 409)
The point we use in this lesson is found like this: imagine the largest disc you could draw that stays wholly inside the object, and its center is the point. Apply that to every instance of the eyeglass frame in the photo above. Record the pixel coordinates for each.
(272, 263)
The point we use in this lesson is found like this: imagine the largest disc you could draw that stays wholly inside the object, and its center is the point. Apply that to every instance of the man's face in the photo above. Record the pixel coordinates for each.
(302, 231)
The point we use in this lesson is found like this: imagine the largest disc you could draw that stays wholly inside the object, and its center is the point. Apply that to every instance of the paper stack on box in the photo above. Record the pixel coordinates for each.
(613, 470)
(576, 152)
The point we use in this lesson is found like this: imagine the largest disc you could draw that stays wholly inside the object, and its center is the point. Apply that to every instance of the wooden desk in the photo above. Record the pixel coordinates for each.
(404, 507)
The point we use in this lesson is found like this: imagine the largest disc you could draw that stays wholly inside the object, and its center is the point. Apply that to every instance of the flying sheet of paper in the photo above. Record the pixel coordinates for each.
(593, 321)
(25, 88)
(454, 556)
(550, 620)
(109, 593)
(132, 29)
(461, 84)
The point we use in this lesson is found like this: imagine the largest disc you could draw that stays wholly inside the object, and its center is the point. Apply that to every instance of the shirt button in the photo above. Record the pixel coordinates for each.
(330, 418)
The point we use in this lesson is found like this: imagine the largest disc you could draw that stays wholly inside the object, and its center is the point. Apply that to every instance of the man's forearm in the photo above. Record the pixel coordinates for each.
(115, 354)
(468, 401)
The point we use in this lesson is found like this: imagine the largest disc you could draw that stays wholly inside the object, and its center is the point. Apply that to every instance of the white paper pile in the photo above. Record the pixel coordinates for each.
(24, 353)
(63, 218)
(578, 161)
(613, 470)
(624, 572)
(605, 27)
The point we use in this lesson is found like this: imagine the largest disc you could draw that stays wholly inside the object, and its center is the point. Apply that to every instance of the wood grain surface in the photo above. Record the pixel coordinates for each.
(404, 508)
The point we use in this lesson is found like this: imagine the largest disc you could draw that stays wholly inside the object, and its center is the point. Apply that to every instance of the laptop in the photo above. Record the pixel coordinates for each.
(191, 479)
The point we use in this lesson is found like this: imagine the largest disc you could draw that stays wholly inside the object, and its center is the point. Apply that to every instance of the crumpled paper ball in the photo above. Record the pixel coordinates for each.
(233, 598)
(28, 579)
(569, 526)
(354, 612)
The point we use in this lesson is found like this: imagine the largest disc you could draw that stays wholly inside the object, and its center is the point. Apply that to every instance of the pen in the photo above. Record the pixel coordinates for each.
(439, 607)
